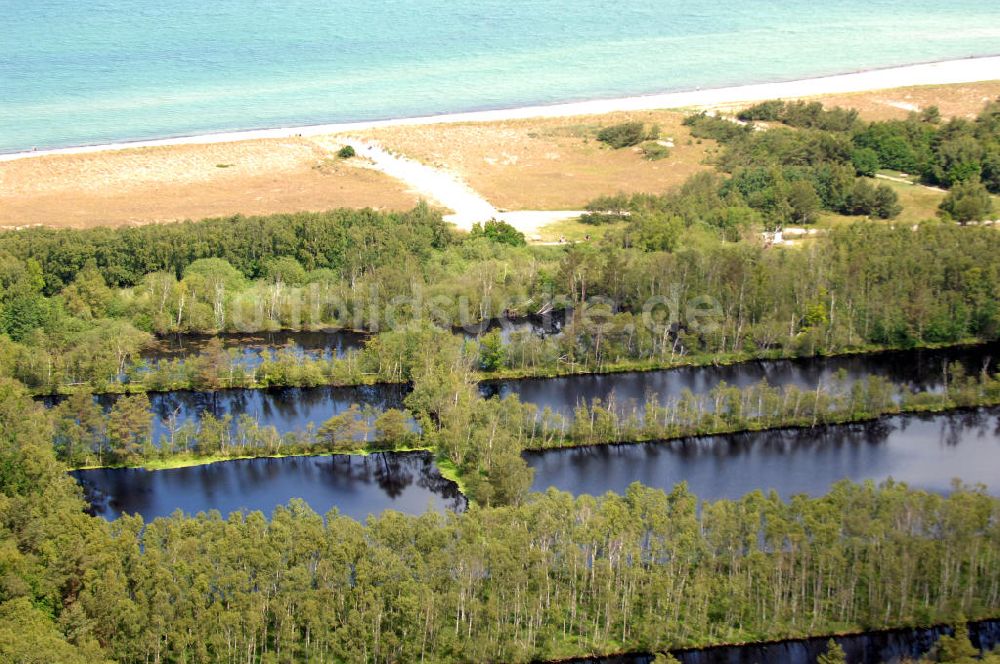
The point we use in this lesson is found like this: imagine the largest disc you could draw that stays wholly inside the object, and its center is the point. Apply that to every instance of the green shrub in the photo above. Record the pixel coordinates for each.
(654, 151)
(498, 231)
(346, 152)
(704, 125)
(865, 161)
(766, 111)
(967, 201)
(627, 134)
(607, 209)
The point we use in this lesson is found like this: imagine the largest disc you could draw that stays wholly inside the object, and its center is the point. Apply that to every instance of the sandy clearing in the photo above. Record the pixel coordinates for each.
(892, 178)
(150, 185)
(441, 187)
(957, 100)
(550, 163)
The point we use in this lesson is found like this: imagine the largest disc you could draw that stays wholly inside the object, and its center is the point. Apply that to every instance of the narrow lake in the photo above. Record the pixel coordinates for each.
(917, 370)
(356, 485)
(286, 408)
(254, 348)
(292, 409)
(925, 451)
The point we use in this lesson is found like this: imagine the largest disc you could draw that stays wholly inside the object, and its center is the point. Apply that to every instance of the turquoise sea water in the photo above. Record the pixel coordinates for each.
(76, 72)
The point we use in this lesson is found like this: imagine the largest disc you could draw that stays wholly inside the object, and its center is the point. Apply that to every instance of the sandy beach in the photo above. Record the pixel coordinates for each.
(533, 166)
(934, 73)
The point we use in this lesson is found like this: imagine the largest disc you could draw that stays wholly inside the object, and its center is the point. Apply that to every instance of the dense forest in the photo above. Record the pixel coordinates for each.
(553, 576)
(865, 286)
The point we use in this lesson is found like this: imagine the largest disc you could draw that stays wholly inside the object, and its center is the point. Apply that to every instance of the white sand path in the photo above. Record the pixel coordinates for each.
(446, 189)
(892, 178)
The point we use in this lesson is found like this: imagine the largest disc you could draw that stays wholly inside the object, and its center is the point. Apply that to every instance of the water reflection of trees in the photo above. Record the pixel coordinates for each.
(287, 409)
(960, 425)
(778, 442)
(917, 369)
(256, 345)
(269, 481)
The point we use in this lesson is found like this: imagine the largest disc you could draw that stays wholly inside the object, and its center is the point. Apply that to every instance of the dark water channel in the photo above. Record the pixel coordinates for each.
(356, 485)
(886, 646)
(254, 348)
(292, 409)
(916, 370)
(925, 451)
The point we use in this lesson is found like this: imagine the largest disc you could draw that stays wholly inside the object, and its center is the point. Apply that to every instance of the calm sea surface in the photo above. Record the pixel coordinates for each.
(78, 72)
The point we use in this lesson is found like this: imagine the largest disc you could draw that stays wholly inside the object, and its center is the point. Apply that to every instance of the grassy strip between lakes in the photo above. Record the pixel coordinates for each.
(193, 460)
(293, 369)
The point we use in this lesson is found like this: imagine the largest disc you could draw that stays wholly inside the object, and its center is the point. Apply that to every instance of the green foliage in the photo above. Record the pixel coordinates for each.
(968, 201)
(727, 409)
(284, 270)
(129, 427)
(944, 154)
(348, 241)
(627, 134)
(930, 114)
(517, 577)
(865, 161)
(77, 589)
(88, 297)
(346, 152)
(392, 429)
(492, 354)
(498, 231)
(30, 636)
(607, 209)
(655, 151)
(877, 201)
(664, 658)
(341, 432)
(834, 654)
(23, 313)
(956, 649)
(803, 201)
(215, 273)
(766, 111)
(704, 125)
(654, 231)
(809, 115)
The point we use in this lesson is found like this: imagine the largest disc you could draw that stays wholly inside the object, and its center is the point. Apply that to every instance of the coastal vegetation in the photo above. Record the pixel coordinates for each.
(77, 306)
(805, 160)
(942, 153)
(627, 134)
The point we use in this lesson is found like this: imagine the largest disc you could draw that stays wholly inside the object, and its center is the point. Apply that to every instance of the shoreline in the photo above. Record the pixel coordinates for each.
(516, 375)
(623, 657)
(449, 471)
(963, 70)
